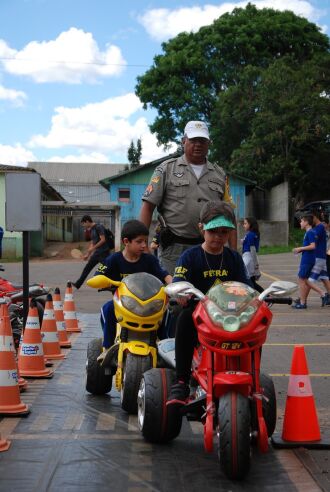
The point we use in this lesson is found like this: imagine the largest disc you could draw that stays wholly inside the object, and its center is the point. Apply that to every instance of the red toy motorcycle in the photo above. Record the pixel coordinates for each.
(229, 394)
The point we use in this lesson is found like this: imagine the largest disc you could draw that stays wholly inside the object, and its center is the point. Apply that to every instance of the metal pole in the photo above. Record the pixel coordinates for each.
(25, 275)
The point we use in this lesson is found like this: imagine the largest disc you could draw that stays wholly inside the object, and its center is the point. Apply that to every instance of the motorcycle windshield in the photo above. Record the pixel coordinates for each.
(232, 297)
(143, 285)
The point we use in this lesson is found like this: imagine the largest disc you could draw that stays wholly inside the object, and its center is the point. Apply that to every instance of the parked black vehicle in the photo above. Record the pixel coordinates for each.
(321, 205)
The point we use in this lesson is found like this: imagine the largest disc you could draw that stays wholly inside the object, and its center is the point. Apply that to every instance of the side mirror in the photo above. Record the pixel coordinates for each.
(280, 288)
(100, 282)
(183, 289)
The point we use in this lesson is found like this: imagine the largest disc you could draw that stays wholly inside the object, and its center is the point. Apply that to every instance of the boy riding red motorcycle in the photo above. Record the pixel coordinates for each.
(217, 360)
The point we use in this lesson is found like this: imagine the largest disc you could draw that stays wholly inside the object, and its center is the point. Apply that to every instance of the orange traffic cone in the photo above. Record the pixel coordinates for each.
(4, 444)
(31, 360)
(300, 426)
(69, 310)
(49, 334)
(59, 316)
(10, 401)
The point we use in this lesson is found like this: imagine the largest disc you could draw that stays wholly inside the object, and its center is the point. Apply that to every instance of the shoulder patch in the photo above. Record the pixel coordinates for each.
(148, 190)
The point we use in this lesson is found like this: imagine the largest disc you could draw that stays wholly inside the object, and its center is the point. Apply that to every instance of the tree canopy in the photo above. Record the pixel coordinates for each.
(260, 78)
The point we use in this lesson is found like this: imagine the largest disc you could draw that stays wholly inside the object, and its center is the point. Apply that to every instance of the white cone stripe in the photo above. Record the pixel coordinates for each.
(8, 377)
(300, 386)
(70, 315)
(31, 349)
(6, 343)
(49, 314)
(58, 305)
(68, 297)
(32, 323)
(60, 325)
(49, 336)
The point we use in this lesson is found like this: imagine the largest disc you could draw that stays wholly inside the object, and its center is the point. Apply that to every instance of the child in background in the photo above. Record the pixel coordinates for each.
(250, 249)
(307, 260)
(327, 231)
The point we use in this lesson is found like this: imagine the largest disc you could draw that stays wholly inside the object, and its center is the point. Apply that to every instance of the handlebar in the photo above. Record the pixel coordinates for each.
(278, 300)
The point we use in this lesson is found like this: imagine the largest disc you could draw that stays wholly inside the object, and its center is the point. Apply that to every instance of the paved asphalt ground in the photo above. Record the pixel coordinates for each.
(73, 441)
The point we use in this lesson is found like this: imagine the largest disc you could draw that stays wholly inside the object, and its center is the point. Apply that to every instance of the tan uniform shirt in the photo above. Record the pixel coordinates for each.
(179, 195)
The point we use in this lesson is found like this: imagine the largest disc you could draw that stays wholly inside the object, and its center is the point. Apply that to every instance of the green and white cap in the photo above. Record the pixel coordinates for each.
(218, 221)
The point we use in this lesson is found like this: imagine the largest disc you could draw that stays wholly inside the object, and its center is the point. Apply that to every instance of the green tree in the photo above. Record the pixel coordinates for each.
(134, 153)
(195, 69)
(289, 128)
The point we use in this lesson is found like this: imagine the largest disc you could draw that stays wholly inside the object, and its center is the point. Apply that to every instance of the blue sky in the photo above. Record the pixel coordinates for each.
(68, 71)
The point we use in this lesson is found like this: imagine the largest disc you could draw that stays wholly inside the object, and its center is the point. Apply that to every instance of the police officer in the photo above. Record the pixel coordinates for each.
(179, 188)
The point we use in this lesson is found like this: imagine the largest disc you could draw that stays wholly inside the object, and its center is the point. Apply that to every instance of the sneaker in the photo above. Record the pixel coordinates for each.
(325, 300)
(75, 285)
(299, 306)
(178, 394)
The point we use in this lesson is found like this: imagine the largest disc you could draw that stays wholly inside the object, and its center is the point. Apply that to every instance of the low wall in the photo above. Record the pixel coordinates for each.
(272, 233)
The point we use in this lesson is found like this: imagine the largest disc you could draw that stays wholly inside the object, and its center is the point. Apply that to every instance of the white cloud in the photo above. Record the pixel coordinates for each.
(162, 24)
(96, 157)
(15, 155)
(73, 57)
(104, 128)
(17, 98)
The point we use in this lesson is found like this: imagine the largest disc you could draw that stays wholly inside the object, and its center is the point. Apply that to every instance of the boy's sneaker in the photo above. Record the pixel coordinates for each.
(178, 394)
(325, 299)
(299, 305)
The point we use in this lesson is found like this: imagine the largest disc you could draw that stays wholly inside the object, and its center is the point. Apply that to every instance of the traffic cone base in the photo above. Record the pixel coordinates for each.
(10, 401)
(31, 360)
(4, 444)
(300, 425)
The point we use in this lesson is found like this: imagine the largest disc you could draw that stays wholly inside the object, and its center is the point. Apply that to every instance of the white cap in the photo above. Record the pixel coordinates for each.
(195, 129)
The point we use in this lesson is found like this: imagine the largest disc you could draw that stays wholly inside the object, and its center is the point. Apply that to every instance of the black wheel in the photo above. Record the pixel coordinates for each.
(134, 367)
(234, 443)
(268, 403)
(97, 382)
(155, 422)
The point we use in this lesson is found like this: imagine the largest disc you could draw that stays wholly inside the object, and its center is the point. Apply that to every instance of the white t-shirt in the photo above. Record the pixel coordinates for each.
(198, 169)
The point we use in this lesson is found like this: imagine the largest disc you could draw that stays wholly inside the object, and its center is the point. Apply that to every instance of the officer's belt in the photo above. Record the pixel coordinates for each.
(185, 240)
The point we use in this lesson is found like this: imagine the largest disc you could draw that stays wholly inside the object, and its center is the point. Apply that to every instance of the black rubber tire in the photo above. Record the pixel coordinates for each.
(156, 423)
(234, 443)
(97, 382)
(134, 367)
(268, 407)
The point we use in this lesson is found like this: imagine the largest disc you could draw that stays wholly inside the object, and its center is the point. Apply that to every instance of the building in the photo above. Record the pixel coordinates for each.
(12, 241)
(78, 183)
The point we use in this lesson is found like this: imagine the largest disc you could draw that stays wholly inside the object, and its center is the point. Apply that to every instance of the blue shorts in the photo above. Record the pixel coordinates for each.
(319, 270)
(305, 270)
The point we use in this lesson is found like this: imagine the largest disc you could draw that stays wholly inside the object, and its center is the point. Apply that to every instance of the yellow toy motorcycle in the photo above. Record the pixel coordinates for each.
(139, 302)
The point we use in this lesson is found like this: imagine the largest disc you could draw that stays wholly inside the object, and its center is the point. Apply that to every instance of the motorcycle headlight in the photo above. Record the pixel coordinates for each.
(228, 322)
(135, 307)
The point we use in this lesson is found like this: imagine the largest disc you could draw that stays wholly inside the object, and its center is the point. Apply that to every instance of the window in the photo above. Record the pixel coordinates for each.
(124, 194)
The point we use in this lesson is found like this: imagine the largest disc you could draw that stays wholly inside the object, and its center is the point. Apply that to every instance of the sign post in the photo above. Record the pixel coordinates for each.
(23, 214)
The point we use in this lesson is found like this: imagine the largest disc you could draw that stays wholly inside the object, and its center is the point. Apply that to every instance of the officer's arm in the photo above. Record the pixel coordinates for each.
(146, 211)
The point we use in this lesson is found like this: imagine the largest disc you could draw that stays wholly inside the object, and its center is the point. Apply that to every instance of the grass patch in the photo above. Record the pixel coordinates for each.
(295, 239)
